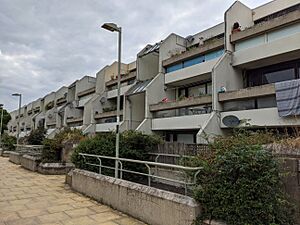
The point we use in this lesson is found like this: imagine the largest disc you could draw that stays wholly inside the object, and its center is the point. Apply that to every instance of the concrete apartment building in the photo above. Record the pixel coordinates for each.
(188, 88)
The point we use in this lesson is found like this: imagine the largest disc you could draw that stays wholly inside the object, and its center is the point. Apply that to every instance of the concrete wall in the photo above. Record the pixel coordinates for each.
(154, 93)
(173, 44)
(151, 205)
(272, 7)
(267, 117)
(190, 72)
(240, 13)
(180, 122)
(208, 33)
(15, 157)
(60, 93)
(147, 66)
(84, 84)
(135, 110)
(224, 75)
(30, 162)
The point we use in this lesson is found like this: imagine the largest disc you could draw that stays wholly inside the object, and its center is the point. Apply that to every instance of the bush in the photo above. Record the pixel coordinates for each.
(8, 142)
(241, 183)
(133, 145)
(53, 147)
(36, 137)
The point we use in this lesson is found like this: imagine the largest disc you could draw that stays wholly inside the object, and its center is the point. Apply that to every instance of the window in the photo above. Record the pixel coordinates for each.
(272, 74)
(277, 76)
(196, 91)
(174, 67)
(194, 61)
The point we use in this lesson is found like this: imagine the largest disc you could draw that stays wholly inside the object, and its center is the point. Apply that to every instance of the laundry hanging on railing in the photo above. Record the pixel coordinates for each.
(288, 97)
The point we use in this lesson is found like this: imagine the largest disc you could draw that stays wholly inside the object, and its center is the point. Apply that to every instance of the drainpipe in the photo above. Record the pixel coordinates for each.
(130, 113)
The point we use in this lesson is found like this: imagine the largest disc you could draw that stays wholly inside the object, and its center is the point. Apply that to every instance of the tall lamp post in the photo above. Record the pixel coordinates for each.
(114, 28)
(19, 113)
(1, 123)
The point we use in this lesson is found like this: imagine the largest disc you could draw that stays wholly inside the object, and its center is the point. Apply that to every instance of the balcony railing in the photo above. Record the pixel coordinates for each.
(208, 46)
(264, 27)
(107, 114)
(74, 120)
(124, 78)
(187, 111)
(251, 92)
(61, 101)
(87, 92)
(193, 101)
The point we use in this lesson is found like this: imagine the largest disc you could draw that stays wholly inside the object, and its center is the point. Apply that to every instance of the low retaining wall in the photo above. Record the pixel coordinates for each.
(30, 162)
(151, 205)
(15, 158)
(6, 153)
(55, 168)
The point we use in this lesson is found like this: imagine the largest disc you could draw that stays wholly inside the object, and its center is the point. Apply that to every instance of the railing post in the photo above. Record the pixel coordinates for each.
(121, 169)
(100, 165)
(149, 175)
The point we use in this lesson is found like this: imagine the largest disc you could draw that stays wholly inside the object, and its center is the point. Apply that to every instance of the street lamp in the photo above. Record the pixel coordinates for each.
(113, 27)
(1, 123)
(20, 102)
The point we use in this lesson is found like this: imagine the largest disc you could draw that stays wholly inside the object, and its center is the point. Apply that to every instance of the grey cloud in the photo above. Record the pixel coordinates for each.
(47, 44)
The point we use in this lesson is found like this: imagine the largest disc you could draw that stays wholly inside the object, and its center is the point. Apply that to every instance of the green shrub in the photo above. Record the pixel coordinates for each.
(8, 142)
(240, 183)
(133, 145)
(51, 152)
(53, 147)
(36, 137)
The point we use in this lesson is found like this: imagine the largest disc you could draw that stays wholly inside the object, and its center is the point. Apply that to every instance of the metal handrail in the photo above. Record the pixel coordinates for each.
(186, 183)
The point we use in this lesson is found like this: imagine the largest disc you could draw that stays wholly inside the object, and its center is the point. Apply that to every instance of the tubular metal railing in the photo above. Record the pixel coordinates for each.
(186, 182)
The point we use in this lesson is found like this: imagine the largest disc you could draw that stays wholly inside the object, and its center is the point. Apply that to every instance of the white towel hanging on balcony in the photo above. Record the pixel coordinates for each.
(288, 97)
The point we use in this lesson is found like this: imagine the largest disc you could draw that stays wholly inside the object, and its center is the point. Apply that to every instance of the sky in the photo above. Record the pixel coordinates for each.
(45, 44)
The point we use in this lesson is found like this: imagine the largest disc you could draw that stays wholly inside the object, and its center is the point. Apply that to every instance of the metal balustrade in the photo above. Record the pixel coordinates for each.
(186, 182)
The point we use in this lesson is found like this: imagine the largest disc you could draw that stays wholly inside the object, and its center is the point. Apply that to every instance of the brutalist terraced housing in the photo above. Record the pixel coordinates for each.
(185, 88)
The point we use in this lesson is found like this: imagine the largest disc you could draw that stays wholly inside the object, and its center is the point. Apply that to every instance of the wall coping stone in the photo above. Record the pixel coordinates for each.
(181, 199)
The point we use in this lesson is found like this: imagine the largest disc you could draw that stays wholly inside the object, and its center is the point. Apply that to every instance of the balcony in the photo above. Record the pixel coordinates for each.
(61, 101)
(193, 101)
(74, 120)
(114, 93)
(266, 117)
(124, 78)
(252, 92)
(191, 73)
(106, 127)
(208, 46)
(51, 123)
(256, 30)
(276, 40)
(187, 114)
(259, 97)
(37, 109)
(106, 114)
(187, 122)
(86, 92)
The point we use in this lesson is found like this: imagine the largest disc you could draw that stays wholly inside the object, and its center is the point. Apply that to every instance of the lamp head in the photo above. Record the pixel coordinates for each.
(111, 27)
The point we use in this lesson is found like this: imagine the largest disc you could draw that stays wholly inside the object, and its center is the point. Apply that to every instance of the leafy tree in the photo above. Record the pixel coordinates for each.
(6, 119)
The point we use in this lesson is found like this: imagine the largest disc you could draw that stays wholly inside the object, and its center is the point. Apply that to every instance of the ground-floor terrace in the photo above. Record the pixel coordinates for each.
(28, 198)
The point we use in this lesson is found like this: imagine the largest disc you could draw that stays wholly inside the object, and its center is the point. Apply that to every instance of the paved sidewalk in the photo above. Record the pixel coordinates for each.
(28, 198)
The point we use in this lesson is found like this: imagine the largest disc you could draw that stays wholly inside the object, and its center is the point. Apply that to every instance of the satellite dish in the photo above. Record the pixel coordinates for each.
(103, 100)
(231, 121)
(190, 38)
